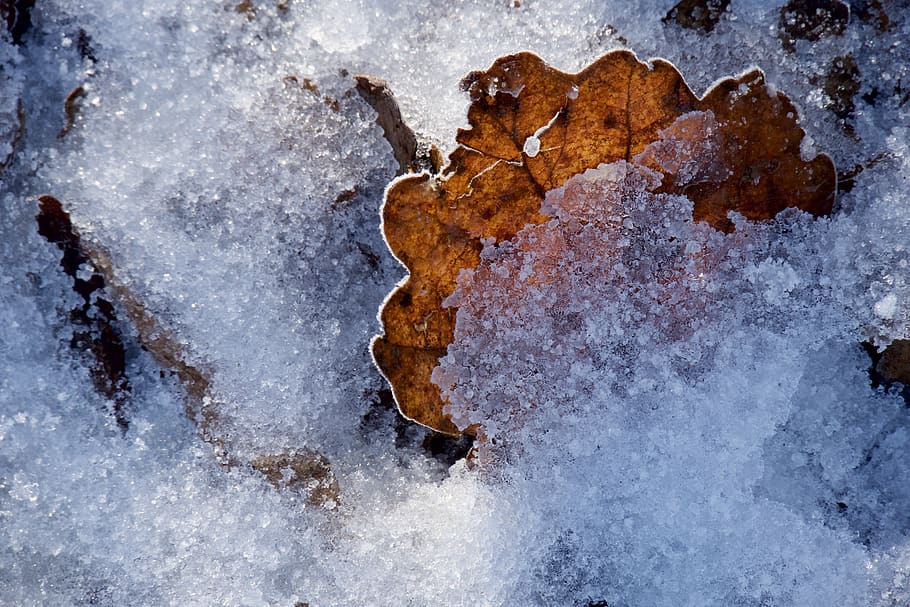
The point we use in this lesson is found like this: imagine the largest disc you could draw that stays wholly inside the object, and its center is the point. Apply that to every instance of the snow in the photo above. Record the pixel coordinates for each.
(10, 90)
(681, 417)
(886, 306)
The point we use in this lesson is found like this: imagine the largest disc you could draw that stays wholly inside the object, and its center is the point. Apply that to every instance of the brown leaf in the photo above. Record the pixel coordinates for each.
(377, 93)
(895, 362)
(811, 20)
(757, 151)
(841, 84)
(533, 127)
(72, 105)
(873, 11)
(95, 323)
(17, 14)
(306, 471)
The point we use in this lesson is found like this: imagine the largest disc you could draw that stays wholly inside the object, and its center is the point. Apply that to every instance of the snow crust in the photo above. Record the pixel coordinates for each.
(10, 92)
(637, 370)
(680, 417)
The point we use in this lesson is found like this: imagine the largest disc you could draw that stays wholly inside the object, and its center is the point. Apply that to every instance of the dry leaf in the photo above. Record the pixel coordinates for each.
(533, 127)
(95, 329)
(17, 14)
(72, 105)
(811, 20)
(890, 366)
(894, 364)
(377, 93)
(411, 154)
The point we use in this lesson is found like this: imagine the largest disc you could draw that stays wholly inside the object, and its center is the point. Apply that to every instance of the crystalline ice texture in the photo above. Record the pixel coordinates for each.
(713, 445)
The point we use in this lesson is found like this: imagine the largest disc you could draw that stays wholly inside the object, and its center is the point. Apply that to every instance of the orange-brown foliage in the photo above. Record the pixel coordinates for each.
(533, 127)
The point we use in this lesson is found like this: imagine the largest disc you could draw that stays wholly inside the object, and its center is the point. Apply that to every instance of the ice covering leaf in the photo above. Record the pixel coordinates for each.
(532, 127)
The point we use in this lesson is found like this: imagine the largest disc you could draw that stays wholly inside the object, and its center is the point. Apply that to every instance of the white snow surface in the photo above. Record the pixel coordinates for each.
(672, 416)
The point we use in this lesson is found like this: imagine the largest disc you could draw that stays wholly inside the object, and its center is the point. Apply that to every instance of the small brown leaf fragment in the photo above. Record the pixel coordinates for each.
(841, 84)
(871, 11)
(18, 17)
(305, 471)
(699, 15)
(346, 196)
(95, 321)
(378, 95)
(310, 86)
(246, 7)
(72, 105)
(894, 364)
(531, 128)
(811, 20)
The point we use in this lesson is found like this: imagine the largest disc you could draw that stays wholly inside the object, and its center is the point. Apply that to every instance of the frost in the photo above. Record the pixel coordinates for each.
(532, 145)
(11, 85)
(886, 307)
(689, 421)
(678, 354)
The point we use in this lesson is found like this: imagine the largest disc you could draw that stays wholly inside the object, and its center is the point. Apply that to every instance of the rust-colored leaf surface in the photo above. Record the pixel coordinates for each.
(895, 362)
(531, 128)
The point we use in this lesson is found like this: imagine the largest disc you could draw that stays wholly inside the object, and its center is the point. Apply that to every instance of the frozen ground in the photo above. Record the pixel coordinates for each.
(747, 460)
